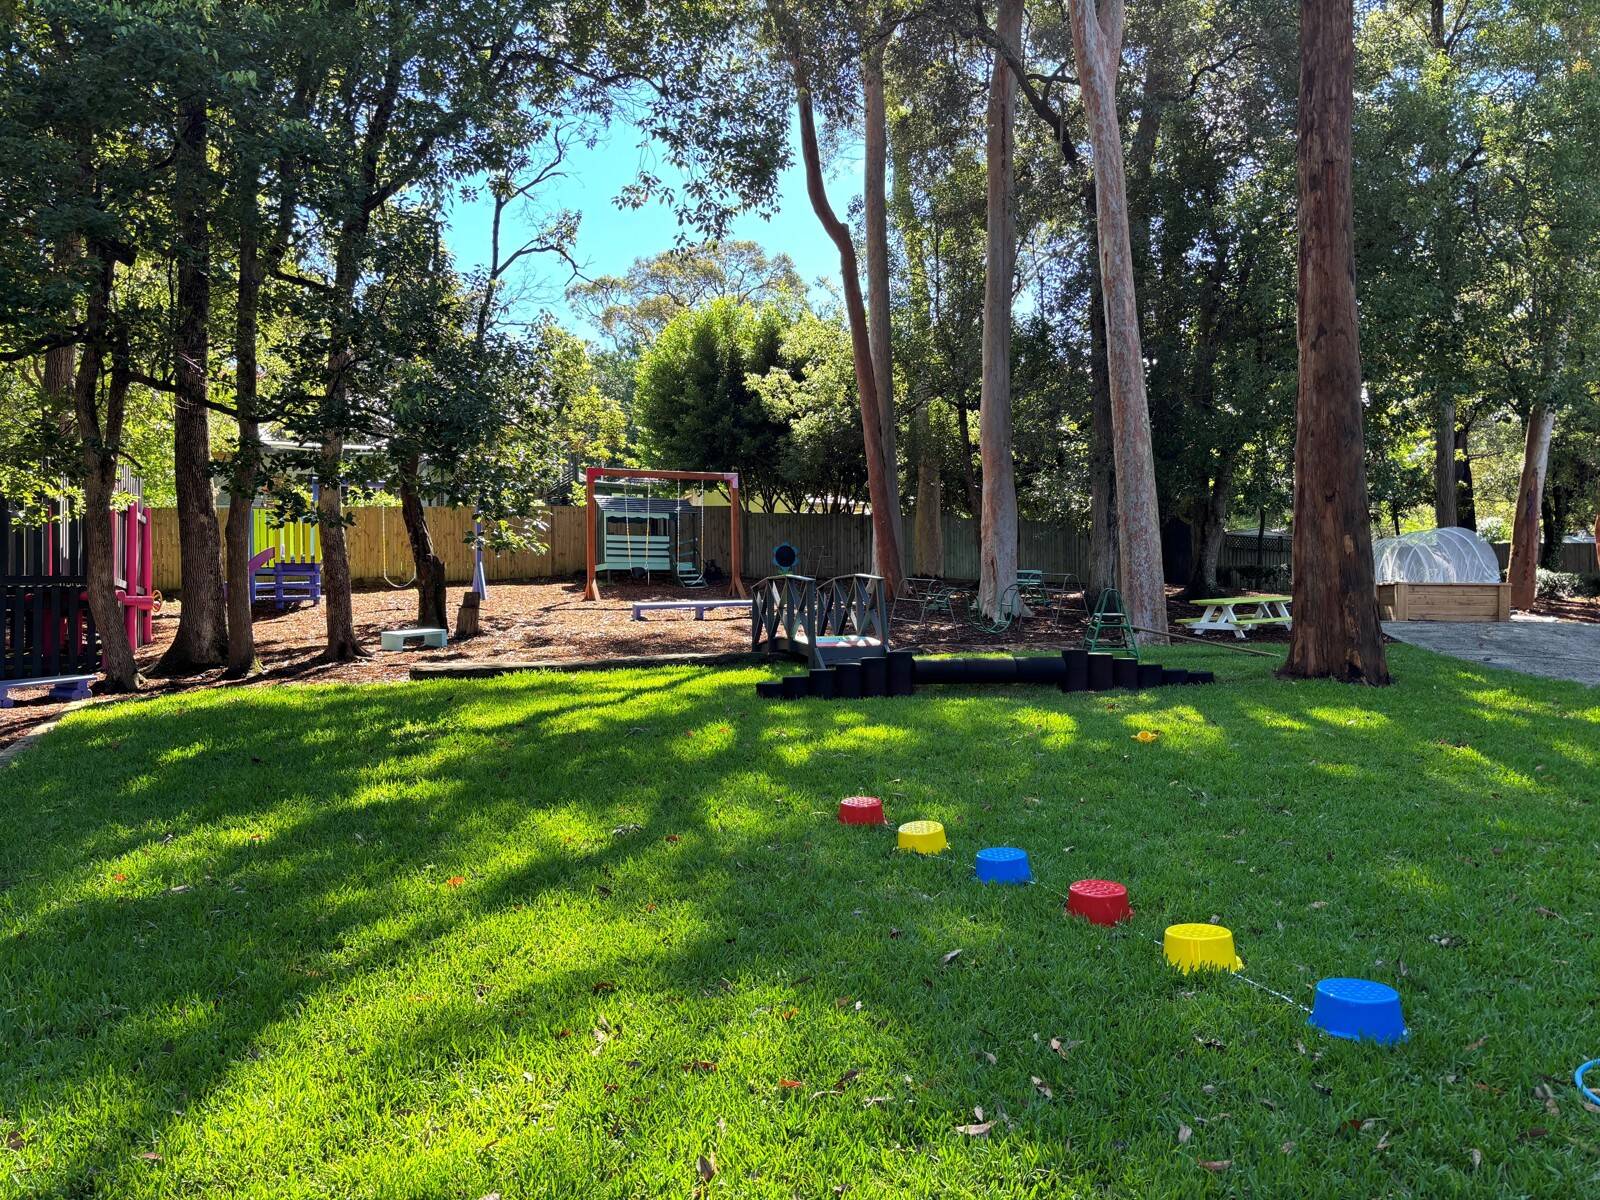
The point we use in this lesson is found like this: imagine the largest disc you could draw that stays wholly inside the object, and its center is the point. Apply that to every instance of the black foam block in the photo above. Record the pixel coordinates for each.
(822, 683)
(1101, 674)
(1149, 675)
(795, 686)
(1125, 672)
(1040, 669)
(769, 689)
(847, 681)
(874, 677)
(1171, 675)
(901, 665)
(1202, 677)
(1075, 667)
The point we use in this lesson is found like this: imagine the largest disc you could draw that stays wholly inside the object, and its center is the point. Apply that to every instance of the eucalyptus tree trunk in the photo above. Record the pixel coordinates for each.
(1522, 573)
(885, 540)
(876, 214)
(1444, 461)
(100, 435)
(997, 550)
(246, 470)
(1336, 632)
(202, 635)
(1097, 47)
(930, 498)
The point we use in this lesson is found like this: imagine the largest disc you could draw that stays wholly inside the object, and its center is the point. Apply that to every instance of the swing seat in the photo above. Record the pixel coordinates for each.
(628, 554)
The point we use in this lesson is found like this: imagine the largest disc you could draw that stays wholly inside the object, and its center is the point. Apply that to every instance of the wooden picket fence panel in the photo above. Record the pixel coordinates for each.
(829, 544)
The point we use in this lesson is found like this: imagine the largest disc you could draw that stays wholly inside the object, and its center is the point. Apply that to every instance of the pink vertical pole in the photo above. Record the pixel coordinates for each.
(146, 576)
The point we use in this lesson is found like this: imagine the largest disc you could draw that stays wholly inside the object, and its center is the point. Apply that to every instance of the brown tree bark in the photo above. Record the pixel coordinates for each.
(246, 467)
(1211, 526)
(876, 220)
(430, 567)
(101, 439)
(1336, 632)
(201, 639)
(1522, 573)
(1444, 464)
(885, 543)
(997, 548)
(1097, 48)
(1466, 497)
(930, 499)
(1103, 557)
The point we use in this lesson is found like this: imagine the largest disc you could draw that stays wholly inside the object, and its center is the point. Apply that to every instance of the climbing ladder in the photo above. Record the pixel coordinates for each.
(1109, 627)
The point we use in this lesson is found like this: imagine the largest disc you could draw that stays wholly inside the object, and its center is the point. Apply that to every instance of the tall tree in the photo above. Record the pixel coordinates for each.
(1097, 48)
(201, 639)
(1336, 632)
(794, 47)
(875, 215)
(997, 547)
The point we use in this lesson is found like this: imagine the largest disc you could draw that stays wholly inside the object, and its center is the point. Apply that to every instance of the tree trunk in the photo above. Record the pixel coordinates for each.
(885, 543)
(964, 428)
(1103, 558)
(1336, 632)
(246, 467)
(101, 440)
(1212, 527)
(430, 567)
(997, 549)
(930, 499)
(876, 214)
(1552, 518)
(1466, 499)
(1444, 463)
(1523, 571)
(202, 635)
(1097, 46)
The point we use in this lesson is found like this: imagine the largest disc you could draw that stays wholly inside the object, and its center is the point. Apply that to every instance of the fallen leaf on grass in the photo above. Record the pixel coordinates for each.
(673, 837)
(1478, 1045)
(601, 986)
(848, 1077)
(894, 933)
(120, 877)
(946, 959)
(1041, 1087)
(1217, 1165)
(1287, 1148)
(1063, 1048)
(980, 1129)
(456, 880)
(790, 1083)
(1184, 1134)
(1475, 1157)
(1545, 912)
(700, 1064)
(150, 1156)
(1319, 904)
(988, 1056)
(15, 1140)
(1211, 1043)
(705, 1166)
(1534, 1134)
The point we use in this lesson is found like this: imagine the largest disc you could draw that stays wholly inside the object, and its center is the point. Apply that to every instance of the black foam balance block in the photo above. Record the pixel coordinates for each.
(769, 689)
(847, 681)
(1125, 673)
(902, 663)
(822, 682)
(1075, 670)
(874, 677)
(1102, 673)
(1149, 675)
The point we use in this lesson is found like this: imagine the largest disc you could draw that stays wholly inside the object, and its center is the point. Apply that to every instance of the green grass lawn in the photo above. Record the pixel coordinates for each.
(565, 935)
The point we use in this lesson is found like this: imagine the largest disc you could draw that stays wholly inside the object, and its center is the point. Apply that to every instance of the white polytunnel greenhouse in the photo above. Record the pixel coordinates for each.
(1436, 556)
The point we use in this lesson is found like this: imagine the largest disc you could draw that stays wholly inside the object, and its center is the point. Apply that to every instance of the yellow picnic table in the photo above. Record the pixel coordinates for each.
(1223, 616)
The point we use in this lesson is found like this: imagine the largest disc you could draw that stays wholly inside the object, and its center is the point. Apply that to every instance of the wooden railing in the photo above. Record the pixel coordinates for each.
(854, 606)
(783, 615)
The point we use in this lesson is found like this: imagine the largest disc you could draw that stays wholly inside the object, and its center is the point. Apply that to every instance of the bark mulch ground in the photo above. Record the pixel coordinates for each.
(551, 622)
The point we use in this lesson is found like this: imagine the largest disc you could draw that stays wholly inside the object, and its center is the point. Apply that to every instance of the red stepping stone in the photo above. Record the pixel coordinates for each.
(1100, 900)
(861, 810)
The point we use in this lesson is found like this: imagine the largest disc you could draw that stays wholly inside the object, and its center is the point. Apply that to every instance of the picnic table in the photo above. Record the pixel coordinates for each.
(1222, 614)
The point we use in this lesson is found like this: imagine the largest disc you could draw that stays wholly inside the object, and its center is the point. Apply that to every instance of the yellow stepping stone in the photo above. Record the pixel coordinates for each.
(1200, 947)
(924, 837)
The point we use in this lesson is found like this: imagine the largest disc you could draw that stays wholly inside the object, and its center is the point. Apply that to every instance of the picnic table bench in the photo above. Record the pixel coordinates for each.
(699, 606)
(1222, 614)
(62, 687)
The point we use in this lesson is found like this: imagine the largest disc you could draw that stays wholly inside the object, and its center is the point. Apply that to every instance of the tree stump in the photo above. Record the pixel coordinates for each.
(467, 617)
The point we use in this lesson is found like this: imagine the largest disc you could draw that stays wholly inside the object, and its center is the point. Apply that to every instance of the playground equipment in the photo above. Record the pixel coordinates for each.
(921, 837)
(1200, 947)
(699, 607)
(398, 639)
(845, 620)
(1355, 1009)
(285, 560)
(641, 535)
(900, 673)
(1358, 1010)
(47, 634)
(785, 557)
(1109, 628)
(1003, 864)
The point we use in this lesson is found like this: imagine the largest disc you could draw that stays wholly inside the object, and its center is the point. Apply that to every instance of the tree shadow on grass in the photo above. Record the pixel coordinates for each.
(164, 988)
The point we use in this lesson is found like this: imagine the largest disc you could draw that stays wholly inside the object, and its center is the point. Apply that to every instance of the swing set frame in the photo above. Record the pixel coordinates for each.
(591, 589)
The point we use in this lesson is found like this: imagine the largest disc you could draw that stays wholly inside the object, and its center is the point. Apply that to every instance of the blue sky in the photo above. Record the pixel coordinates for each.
(610, 238)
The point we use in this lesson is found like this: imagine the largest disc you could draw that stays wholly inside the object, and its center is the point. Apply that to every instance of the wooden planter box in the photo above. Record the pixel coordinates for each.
(1445, 601)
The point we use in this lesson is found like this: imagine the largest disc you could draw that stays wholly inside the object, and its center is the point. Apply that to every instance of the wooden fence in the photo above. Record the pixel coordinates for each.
(829, 544)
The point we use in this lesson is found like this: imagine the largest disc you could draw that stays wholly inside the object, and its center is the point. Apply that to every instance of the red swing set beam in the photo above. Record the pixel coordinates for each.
(591, 589)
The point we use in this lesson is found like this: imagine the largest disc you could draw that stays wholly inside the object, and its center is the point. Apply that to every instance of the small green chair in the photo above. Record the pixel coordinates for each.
(1109, 627)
